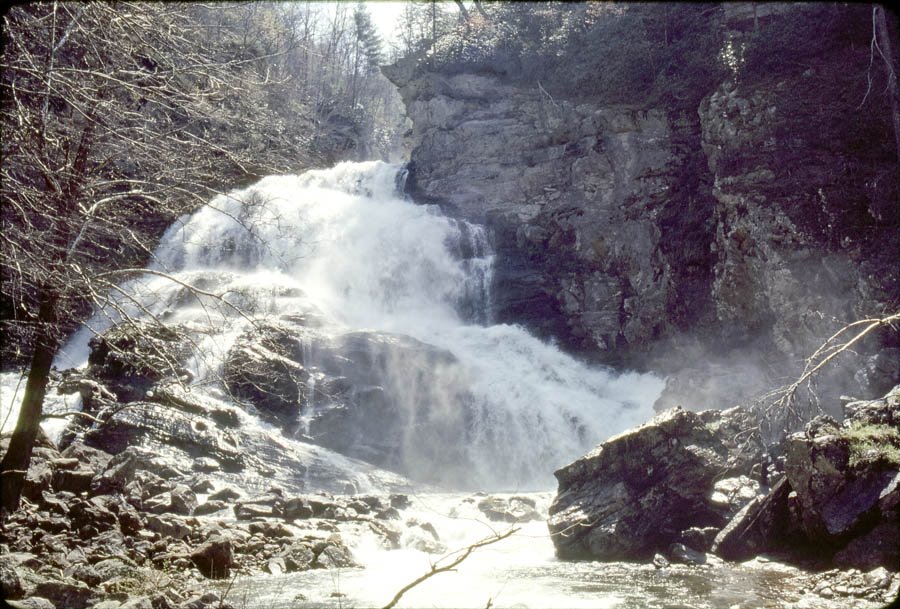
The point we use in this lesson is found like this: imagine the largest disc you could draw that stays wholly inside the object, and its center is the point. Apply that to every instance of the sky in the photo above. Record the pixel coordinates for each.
(385, 15)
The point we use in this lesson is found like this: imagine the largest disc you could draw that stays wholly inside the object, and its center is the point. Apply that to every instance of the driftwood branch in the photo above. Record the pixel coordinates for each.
(457, 558)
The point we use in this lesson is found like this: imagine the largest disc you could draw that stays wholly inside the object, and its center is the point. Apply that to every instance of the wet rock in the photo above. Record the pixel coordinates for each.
(512, 509)
(130, 358)
(358, 404)
(297, 508)
(152, 423)
(421, 536)
(63, 594)
(250, 511)
(298, 557)
(205, 464)
(680, 553)
(333, 553)
(10, 582)
(214, 558)
(229, 493)
(698, 538)
(168, 526)
(32, 602)
(270, 529)
(633, 494)
(210, 507)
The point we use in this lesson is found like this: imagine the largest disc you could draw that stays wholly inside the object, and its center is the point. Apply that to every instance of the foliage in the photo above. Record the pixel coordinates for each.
(869, 443)
(618, 53)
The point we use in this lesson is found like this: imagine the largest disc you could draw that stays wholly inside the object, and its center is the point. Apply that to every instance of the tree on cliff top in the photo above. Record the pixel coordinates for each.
(116, 119)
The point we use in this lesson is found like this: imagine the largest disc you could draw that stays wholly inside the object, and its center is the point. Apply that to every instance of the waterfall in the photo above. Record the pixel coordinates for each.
(344, 260)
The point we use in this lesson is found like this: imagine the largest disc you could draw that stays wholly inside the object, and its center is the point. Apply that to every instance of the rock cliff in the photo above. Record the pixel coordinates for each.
(746, 229)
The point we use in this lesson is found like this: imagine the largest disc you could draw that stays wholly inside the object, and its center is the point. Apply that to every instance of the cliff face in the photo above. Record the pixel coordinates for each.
(580, 198)
(749, 227)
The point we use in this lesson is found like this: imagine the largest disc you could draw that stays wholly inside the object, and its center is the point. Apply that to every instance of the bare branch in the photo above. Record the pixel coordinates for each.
(455, 559)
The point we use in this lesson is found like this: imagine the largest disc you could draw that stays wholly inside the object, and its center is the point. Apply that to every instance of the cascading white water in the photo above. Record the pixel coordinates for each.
(343, 246)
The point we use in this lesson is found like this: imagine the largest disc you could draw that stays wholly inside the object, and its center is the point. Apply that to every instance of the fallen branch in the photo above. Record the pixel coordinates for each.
(436, 568)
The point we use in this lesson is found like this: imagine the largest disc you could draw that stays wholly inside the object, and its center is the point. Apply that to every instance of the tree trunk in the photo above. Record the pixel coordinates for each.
(15, 462)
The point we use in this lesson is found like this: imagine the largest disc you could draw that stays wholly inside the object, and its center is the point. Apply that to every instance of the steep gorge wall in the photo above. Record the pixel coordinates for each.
(723, 243)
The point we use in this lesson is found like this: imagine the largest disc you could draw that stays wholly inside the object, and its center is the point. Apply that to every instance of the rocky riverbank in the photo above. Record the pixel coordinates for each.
(133, 531)
(696, 488)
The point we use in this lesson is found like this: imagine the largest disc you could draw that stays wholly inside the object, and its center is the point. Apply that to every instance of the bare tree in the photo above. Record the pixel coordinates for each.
(116, 119)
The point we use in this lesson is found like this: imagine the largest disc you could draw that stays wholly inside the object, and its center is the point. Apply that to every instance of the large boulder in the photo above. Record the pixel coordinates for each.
(358, 393)
(838, 500)
(634, 494)
(847, 483)
(131, 357)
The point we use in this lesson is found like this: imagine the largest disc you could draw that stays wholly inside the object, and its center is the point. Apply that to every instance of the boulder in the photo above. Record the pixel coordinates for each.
(297, 557)
(130, 358)
(215, 557)
(359, 393)
(762, 525)
(168, 526)
(633, 495)
(511, 509)
(65, 594)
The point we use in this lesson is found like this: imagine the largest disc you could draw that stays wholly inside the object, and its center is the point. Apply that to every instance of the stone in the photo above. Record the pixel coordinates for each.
(168, 526)
(184, 501)
(512, 509)
(680, 553)
(205, 464)
(632, 495)
(730, 495)
(297, 557)
(210, 507)
(87, 574)
(62, 594)
(762, 525)
(10, 582)
(334, 555)
(72, 480)
(110, 568)
(698, 538)
(270, 529)
(228, 493)
(214, 558)
(276, 566)
(297, 508)
(32, 602)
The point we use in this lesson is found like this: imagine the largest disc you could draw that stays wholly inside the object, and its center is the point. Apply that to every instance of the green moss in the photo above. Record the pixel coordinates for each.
(870, 443)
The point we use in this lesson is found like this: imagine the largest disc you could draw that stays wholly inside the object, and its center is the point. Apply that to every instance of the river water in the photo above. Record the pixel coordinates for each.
(522, 571)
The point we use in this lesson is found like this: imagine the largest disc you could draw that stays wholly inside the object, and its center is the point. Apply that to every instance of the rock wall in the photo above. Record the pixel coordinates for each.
(581, 200)
(720, 244)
